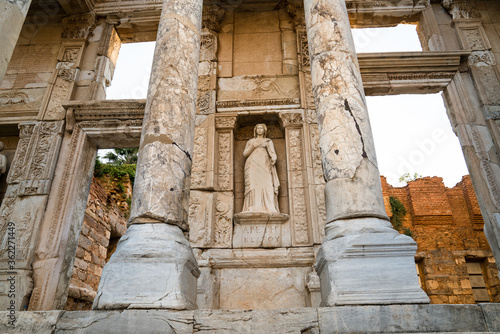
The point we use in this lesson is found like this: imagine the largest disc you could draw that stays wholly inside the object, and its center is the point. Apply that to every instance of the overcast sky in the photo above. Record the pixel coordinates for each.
(412, 132)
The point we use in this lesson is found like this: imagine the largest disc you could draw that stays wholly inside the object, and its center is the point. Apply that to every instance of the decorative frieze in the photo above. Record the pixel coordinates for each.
(257, 103)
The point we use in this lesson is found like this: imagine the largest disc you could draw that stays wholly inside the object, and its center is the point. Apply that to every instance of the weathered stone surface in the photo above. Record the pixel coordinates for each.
(257, 87)
(257, 321)
(153, 267)
(263, 288)
(253, 229)
(491, 314)
(30, 322)
(169, 119)
(369, 268)
(11, 23)
(346, 319)
(402, 319)
(126, 322)
(358, 235)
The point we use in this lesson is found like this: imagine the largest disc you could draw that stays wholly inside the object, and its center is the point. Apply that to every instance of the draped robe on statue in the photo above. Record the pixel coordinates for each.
(261, 178)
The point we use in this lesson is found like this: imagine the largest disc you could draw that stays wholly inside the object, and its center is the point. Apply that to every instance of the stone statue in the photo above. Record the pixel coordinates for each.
(261, 179)
(3, 160)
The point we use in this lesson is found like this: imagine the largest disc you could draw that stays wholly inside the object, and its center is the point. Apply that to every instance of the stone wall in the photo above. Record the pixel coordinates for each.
(447, 225)
(103, 225)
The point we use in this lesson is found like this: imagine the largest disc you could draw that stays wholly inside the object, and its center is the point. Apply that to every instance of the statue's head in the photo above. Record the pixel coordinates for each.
(264, 127)
(2, 145)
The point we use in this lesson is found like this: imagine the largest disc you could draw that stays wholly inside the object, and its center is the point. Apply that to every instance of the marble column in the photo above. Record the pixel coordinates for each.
(11, 22)
(154, 265)
(363, 260)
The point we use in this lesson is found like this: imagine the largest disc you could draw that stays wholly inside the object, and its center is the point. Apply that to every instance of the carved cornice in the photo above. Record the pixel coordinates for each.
(413, 62)
(107, 110)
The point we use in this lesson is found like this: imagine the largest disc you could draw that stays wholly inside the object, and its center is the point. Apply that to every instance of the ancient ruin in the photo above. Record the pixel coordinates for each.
(194, 243)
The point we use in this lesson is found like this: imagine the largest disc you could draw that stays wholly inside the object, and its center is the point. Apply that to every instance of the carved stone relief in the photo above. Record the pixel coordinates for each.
(200, 157)
(200, 218)
(223, 220)
(37, 149)
(60, 90)
(303, 48)
(258, 87)
(297, 188)
(225, 168)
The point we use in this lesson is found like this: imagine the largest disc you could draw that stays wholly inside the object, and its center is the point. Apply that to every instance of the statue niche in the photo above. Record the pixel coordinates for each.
(259, 223)
(261, 178)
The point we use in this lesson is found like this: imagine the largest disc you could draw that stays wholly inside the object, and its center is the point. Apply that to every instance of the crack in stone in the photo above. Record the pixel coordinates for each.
(348, 108)
(185, 152)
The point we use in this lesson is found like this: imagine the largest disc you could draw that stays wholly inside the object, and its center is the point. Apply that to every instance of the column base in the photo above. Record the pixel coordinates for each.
(368, 269)
(153, 267)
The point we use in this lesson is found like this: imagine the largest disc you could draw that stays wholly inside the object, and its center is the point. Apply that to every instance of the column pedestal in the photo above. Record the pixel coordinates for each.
(369, 268)
(153, 267)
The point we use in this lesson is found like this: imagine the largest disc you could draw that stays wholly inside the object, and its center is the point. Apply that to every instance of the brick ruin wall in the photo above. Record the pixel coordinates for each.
(103, 225)
(445, 222)
(447, 225)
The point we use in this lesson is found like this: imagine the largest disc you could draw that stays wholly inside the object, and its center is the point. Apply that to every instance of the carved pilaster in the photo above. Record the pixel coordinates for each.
(202, 170)
(477, 139)
(297, 183)
(62, 82)
(29, 183)
(224, 153)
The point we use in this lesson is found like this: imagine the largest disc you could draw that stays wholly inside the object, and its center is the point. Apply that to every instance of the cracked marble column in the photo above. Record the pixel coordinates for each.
(154, 265)
(13, 14)
(363, 260)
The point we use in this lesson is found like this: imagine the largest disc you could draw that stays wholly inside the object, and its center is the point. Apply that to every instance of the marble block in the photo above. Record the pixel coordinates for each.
(153, 267)
(369, 268)
(252, 229)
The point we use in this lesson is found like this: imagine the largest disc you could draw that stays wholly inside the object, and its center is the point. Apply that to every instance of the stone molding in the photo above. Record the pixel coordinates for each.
(260, 258)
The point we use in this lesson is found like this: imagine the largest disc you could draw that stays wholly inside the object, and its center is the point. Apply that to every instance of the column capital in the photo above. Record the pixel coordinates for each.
(78, 26)
(461, 9)
(212, 18)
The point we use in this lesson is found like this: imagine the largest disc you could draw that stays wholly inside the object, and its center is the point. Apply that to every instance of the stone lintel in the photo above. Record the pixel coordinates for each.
(481, 318)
